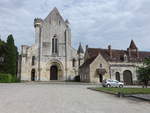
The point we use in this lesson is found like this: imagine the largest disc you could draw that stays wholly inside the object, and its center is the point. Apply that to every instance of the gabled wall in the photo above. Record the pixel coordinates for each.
(94, 77)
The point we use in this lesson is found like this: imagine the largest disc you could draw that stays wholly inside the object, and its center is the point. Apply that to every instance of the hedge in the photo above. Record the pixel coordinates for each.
(7, 78)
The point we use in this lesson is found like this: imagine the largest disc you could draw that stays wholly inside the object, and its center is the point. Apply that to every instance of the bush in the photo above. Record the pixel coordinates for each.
(7, 78)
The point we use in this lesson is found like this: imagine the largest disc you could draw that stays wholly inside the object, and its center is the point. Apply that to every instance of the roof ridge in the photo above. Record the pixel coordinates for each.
(54, 10)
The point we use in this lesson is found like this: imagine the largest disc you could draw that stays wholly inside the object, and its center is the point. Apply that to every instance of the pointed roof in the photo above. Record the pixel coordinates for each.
(132, 45)
(67, 21)
(53, 12)
(80, 49)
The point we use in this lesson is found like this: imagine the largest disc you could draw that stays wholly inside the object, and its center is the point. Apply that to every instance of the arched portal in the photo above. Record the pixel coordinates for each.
(55, 66)
(127, 77)
(33, 75)
(53, 72)
(118, 76)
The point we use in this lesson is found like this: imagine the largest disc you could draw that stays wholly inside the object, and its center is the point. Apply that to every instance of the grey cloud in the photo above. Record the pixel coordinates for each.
(94, 22)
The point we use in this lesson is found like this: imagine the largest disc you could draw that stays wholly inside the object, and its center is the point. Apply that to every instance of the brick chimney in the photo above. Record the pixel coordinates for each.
(110, 51)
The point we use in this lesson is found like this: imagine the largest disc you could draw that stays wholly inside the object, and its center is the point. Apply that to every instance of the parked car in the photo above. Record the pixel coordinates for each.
(112, 83)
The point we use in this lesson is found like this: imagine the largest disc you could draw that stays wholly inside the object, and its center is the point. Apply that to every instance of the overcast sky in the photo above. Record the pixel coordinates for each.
(97, 23)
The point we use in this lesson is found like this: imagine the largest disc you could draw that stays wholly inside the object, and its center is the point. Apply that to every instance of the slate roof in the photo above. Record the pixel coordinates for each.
(117, 54)
(132, 45)
(87, 62)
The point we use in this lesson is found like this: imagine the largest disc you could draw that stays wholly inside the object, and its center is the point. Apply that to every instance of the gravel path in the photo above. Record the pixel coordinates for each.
(61, 98)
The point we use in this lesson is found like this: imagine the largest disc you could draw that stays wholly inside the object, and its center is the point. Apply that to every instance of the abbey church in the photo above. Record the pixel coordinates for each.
(52, 56)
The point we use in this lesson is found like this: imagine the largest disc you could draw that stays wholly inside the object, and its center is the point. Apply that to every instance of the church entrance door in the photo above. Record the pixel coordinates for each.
(127, 77)
(53, 73)
(100, 78)
(33, 75)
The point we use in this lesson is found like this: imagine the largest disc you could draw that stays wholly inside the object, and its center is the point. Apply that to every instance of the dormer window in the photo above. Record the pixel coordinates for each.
(121, 58)
(125, 57)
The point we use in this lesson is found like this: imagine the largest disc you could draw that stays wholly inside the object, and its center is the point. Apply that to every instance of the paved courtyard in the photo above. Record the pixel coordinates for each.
(61, 98)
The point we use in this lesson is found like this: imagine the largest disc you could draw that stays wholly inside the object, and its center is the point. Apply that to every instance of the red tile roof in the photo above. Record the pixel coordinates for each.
(132, 45)
(117, 55)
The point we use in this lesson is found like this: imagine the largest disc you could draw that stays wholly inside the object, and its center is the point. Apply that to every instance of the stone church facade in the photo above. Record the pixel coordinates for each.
(100, 64)
(52, 57)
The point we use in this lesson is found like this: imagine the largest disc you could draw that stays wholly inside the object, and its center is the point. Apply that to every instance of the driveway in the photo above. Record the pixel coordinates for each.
(61, 98)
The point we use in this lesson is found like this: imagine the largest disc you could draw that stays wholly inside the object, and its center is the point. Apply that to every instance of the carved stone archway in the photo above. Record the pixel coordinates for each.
(55, 70)
(127, 77)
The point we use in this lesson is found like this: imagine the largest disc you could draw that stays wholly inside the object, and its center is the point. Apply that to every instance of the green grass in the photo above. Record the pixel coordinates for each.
(124, 90)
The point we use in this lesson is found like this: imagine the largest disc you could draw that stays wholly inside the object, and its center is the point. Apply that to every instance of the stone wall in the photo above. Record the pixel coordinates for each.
(123, 66)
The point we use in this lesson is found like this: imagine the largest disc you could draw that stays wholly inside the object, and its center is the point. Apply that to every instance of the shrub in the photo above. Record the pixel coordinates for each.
(7, 78)
(15, 79)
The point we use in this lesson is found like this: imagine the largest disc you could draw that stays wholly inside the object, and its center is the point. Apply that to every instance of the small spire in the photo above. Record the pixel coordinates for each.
(87, 47)
(66, 21)
(80, 49)
(132, 45)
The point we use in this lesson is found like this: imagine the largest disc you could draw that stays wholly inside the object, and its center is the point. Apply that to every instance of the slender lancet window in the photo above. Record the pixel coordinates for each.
(33, 60)
(65, 35)
(73, 62)
(54, 45)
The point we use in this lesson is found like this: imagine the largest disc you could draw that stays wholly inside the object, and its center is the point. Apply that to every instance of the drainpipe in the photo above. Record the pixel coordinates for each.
(39, 56)
(110, 71)
(66, 53)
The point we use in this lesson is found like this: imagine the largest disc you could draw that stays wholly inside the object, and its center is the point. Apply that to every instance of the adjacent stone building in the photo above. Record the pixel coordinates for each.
(52, 57)
(110, 63)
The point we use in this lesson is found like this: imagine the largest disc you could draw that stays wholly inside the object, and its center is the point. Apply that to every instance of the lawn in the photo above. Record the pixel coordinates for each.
(124, 90)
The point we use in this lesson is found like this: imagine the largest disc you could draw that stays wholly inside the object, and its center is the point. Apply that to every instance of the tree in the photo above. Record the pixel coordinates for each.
(144, 72)
(3, 50)
(11, 56)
